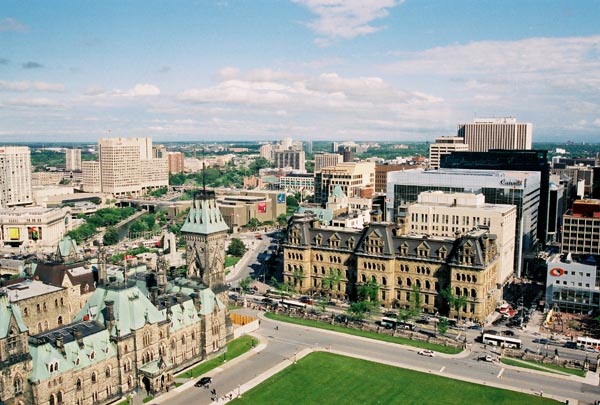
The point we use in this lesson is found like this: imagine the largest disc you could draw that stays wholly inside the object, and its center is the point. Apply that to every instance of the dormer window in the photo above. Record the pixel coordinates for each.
(404, 249)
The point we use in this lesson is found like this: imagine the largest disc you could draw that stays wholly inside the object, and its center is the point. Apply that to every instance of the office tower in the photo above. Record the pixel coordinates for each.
(450, 214)
(496, 133)
(348, 155)
(308, 147)
(518, 188)
(73, 160)
(266, 152)
(176, 162)
(90, 173)
(159, 152)
(327, 159)
(381, 175)
(444, 145)
(15, 176)
(520, 160)
(127, 167)
(289, 158)
(355, 179)
(286, 143)
(581, 228)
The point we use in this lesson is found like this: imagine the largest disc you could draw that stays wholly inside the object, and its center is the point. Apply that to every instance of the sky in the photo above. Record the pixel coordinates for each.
(241, 70)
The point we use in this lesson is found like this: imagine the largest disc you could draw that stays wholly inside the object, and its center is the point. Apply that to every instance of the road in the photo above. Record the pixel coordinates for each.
(284, 343)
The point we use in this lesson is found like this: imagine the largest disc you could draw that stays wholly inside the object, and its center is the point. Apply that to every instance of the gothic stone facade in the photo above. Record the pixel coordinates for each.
(335, 261)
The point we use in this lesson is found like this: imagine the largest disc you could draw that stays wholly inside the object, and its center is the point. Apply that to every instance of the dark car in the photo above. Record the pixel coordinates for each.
(508, 333)
(422, 321)
(491, 332)
(267, 300)
(203, 382)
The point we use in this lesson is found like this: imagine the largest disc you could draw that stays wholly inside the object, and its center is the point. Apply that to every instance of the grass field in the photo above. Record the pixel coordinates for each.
(231, 260)
(235, 348)
(325, 378)
(549, 368)
(367, 334)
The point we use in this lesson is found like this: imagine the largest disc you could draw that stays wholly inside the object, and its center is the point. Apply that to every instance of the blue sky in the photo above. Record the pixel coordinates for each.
(387, 70)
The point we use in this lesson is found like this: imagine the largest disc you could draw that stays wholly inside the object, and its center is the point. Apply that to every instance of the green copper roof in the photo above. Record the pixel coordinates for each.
(208, 299)
(204, 218)
(132, 309)
(337, 192)
(10, 315)
(96, 348)
(67, 247)
(324, 215)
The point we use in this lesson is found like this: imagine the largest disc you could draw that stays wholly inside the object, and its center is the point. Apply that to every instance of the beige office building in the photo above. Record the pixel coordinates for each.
(452, 214)
(445, 145)
(15, 176)
(356, 179)
(496, 133)
(581, 228)
(33, 227)
(90, 173)
(327, 159)
(290, 158)
(73, 160)
(126, 167)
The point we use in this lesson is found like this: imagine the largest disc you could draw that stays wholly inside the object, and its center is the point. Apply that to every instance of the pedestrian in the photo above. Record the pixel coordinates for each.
(541, 393)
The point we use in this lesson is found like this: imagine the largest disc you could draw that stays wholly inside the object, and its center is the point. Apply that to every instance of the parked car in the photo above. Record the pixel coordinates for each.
(203, 382)
(487, 358)
(267, 300)
(508, 333)
(571, 345)
(425, 352)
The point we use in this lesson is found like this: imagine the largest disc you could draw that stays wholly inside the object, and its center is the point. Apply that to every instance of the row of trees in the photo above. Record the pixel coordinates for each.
(105, 217)
(230, 176)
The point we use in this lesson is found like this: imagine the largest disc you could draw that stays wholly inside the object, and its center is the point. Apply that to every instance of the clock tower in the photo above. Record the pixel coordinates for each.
(204, 232)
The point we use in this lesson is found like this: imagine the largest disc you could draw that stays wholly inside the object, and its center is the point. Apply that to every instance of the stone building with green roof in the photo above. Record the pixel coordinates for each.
(129, 334)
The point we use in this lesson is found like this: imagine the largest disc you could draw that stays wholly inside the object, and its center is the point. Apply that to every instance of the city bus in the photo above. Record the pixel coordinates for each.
(291, 304)
(583, 342)
(502, 341)
(393, 323)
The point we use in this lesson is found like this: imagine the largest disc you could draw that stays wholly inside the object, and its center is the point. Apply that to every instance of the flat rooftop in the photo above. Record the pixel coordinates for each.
(28, 289)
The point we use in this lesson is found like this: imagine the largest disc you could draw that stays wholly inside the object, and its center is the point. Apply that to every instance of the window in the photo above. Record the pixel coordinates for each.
(18, 384)
(94, 377)
(107, 372)
(78, 384)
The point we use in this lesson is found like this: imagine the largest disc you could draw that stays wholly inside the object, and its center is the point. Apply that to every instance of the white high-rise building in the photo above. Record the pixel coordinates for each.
(496, 133)
(126, 167)
(444, 145)
(266, 152)
(15, 176)
(73, 158)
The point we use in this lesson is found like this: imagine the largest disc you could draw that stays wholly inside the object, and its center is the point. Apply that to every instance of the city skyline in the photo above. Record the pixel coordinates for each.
(387, 70)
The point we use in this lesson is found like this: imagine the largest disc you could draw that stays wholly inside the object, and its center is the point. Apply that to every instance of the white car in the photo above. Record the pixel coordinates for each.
(428, 353)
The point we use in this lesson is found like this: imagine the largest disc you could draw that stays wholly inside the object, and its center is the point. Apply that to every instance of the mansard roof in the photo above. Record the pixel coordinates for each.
(423, 247)
(205, 216)
(10, 315)
(95, 348)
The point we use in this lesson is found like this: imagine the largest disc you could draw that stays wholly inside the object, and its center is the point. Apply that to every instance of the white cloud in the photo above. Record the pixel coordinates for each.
(31, 86)
(9, 24)
(597, 122)
(139, 90)
(346, 19)
(37, 102)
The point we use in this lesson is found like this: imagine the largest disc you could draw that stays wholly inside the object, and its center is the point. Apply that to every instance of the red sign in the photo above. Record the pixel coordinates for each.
(262, 207)
(557, 272)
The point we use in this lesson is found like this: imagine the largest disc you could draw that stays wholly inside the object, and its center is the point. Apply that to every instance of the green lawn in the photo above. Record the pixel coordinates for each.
(549, 368)
(231, 260)
(325, 378)
(235, 348)
(367, 334)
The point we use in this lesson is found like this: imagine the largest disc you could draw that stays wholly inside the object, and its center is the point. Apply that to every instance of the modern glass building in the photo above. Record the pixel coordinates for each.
(518, 188)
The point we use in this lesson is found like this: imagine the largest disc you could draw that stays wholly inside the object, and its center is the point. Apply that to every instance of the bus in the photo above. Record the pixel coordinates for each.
(291, 304)
(393, 323)
(277, 294)
(503, 341)
(586, 342)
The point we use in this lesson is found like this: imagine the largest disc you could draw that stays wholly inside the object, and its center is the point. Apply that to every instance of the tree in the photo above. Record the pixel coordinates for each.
(253, 223)
(282, 220)
(322, 303)
(459, 303)
(369, 292)
(259, 163)
(245, 283)
(111, 236)
(236, 247)
(359, 309)
(442, 325)
(415, 300)
(297, 276)
(331, 280)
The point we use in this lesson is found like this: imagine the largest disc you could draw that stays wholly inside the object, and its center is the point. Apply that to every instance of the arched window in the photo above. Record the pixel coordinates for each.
(60, 320)
(18, 384)
(52, 401)
(59, 397)
(408, 282)
(427, 285)
(363, 278)
(56, 303)
(457, 291)
(62, 303)
(78, 384)
(383, 281)
(473, 293)
(25, 311)
(94, 377)
(107, 371)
